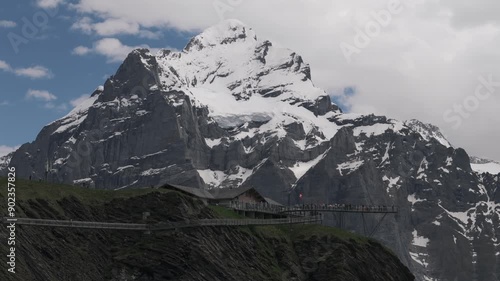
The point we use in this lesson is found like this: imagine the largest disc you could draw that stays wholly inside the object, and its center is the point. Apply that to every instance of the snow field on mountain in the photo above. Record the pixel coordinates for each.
(492, 168)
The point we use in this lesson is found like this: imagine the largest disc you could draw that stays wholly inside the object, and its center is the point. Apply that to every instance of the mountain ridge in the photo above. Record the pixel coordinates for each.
(242, 112)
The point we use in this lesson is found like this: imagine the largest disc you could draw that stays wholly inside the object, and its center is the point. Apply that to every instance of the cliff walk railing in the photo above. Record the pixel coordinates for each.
(161, 225)
(236, 222)
(254, 207)
(339, 208)
(339, 211)
(76, 224)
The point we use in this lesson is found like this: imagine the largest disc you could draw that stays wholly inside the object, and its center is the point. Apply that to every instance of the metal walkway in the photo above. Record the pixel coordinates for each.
(236, 222)
(274, 209)
(76, 224)
(161, 225)
(301, 214)
(339, 211)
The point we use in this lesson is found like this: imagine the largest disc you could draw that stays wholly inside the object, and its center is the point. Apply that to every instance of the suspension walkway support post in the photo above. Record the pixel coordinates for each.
(378, 225)
(339, 213)
(364, 223)
(341, 220)
(145, 216)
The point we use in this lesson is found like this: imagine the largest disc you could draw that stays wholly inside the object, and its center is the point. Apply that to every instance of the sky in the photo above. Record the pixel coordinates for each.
(433, 60)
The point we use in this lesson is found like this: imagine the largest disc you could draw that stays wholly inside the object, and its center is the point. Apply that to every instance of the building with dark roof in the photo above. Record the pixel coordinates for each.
(203, 194)
(221, 195)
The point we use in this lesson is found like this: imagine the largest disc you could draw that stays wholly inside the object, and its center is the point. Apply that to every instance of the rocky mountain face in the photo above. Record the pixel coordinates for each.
(292, 253)
(4, 161)
(233, 110)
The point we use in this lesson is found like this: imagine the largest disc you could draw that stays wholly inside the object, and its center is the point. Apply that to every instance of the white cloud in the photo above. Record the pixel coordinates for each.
(467, 14)
(84, 25)
(111, 48)
(153, 13)
(5, 66)
(4, 103)
(58, 107)
(4, 149)
(47, 98)
(81, 50)
(79, 100)
(7, 23)
(34, 72)
(48, 4)
(422, 62)
(149, 34)
(40, 95)
(113, 27)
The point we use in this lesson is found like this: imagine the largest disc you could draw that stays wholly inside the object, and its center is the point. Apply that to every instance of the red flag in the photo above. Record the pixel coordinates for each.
(300, 196)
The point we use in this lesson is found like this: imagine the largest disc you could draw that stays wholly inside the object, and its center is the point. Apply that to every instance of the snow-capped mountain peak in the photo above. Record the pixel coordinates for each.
(5, 160)
(427, 131)
(228, 58)
(240, 79)
(227, 31)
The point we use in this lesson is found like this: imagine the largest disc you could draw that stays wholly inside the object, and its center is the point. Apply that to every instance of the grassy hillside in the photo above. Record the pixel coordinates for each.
(26, 190)
(297, 252)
